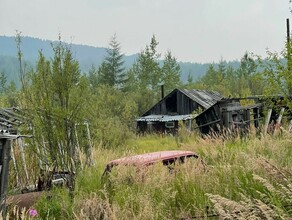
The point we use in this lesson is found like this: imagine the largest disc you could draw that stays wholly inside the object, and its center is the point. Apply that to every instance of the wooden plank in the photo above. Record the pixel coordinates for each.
(290, 126)
(279, 120)
(209, 123)
(15, 166)
(78, 146)
(5, 157)
(278, 124)
(256, 117)
(20, 144)
(267, 121)
(89, 159)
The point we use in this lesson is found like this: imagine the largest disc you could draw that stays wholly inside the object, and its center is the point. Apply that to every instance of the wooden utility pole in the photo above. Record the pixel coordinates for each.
(288, 47)
(288, 30)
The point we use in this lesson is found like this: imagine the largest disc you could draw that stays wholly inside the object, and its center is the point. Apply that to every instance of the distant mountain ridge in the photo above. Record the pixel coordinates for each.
(86, 56)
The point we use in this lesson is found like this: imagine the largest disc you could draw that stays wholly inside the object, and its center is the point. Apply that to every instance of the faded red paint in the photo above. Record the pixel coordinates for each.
(151, 158)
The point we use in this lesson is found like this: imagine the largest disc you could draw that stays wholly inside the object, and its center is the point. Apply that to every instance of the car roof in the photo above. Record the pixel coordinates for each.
(149, 158)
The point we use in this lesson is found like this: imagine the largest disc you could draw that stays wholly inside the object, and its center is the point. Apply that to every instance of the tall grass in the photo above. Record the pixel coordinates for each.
(233, 178)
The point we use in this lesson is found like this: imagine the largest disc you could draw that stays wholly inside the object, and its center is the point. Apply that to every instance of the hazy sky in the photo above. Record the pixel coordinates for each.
(193, 30)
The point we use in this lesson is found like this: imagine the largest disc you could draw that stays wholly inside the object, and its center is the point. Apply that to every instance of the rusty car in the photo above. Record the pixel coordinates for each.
(142, 160)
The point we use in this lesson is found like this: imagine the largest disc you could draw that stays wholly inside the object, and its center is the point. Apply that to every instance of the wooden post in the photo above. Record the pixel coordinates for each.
(256, 117)
(5, 145)
(89, 159)
(279, 120)
(290, 126)
(288, 46)
(78, 146)
(267, 121)
(15, 166)
(20, 143)
(37, 149)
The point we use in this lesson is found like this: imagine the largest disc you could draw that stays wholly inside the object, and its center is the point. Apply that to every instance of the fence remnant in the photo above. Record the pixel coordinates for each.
(268, 118)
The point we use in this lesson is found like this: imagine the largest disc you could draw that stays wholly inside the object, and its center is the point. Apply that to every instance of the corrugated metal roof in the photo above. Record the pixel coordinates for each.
(10, 117)
(165, 118)
(203, 97)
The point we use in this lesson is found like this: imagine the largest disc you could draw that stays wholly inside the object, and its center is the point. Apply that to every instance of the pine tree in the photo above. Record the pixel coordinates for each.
(112, 71)
(12, 95)
(211, 76)
(3, 81)
(170, 73)
(148, 75)
(103, 76)
(93, 77)
(221, 72)
(131, 85)
(214, 79)
(190, 79)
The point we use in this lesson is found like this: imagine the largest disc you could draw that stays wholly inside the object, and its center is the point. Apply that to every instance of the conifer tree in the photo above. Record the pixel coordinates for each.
(148, 70)
(147, 74)
(170, 73)
(221, 72)
(104, 77)
(3, 81)
(93, 77)
(112, 71)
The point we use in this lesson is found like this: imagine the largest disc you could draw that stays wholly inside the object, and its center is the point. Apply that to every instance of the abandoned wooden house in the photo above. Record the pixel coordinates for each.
(229, 115)
(179, 105)
(197, 109)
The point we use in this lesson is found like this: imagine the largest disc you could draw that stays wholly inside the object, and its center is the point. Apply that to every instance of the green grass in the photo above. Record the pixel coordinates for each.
(234, 178)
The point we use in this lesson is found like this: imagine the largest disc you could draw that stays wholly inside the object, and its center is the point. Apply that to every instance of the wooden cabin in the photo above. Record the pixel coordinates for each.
(179, 105)
(229, 115)
(207, 111)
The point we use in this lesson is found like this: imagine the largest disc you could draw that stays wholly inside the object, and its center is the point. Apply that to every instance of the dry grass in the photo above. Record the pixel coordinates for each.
(243, 179)
(235, 178)
(245, 209)
(16, 213)
(94, 208)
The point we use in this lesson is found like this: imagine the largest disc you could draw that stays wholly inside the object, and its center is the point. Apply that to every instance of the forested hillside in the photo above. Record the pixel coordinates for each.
(86, 56)
(121, 92)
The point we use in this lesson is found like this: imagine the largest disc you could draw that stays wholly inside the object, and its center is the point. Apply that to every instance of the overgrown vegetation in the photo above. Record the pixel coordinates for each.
(234, 178)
